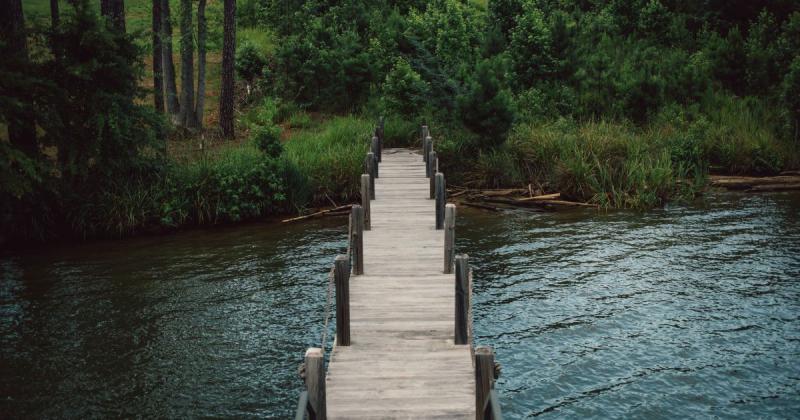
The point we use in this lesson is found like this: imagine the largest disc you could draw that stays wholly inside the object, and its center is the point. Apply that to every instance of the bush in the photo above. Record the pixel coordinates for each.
(268, 140)
(249, 62)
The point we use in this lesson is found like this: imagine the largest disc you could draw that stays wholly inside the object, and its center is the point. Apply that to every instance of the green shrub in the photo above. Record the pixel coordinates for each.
(485, 107)
(249, 61)
(268, 140)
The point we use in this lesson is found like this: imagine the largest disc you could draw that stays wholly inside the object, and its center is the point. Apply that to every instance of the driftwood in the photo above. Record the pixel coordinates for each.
(751, 182)
(501, 193)
(775, 187)
(317, 214)
(553, 196)
(480, 206)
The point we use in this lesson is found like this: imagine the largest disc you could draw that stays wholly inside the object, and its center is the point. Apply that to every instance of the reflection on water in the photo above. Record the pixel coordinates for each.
(688, 311)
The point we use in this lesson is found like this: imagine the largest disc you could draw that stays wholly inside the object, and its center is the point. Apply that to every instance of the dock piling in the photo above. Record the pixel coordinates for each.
(462, 300)
(440, 200)
(315, 381)
(365, 182)
(341, 275)
(484, 378)
(358, 239)
(449, 237)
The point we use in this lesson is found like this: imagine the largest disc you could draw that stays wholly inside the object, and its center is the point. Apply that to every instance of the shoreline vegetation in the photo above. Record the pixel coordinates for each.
(611, 105)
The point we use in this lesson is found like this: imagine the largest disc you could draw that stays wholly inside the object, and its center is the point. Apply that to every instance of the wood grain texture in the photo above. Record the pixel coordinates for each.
(402, 362)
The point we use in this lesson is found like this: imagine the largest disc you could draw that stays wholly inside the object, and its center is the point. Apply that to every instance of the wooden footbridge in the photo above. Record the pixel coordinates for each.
(403, 346)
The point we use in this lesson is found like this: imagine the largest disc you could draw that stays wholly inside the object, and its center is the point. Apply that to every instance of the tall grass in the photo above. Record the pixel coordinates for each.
(331, 156)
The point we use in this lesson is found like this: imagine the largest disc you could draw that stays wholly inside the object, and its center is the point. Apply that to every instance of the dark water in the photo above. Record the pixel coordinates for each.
(684, 312)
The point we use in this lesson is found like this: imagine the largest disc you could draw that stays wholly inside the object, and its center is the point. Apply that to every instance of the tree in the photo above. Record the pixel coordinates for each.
(14, 49)
(228, 57)
(202, 34)
(54, 15)
(158, 74)
(114, 10)
(186, 115)
(486, 107)
(168, 65)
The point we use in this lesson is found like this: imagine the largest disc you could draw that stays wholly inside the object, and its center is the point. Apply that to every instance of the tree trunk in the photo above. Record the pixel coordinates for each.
(228, 50)
(202, 34)
(186, 116)
(114, 10)
(158, 77)
(168, 65)
(54, 15)
(21, 125)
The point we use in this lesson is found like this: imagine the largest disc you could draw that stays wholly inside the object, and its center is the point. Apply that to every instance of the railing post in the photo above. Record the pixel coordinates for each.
(358, 239)
(369, 167)
(376, 148)
(315, 381)
(484, 377)
(375, 165)
(365, 179)
(440, 200)
(427, 149)
(449, 237)
(423, 135)
(381, 121)
(433, 167)
(462, 299)
(341, 275)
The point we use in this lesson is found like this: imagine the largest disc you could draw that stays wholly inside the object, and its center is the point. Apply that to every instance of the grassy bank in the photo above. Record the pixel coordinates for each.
(621, 165)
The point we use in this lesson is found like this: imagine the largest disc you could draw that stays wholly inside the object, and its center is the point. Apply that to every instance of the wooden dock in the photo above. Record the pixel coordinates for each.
(403, 336)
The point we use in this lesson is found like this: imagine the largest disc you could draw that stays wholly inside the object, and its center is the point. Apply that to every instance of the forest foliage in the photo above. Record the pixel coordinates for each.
(625, 103)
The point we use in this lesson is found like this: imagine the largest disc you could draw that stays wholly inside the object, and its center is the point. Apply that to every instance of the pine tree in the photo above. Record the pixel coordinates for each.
(228, 50)
(158, 76)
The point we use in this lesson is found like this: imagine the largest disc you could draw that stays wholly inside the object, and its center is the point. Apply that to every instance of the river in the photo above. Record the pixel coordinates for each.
(688, 311)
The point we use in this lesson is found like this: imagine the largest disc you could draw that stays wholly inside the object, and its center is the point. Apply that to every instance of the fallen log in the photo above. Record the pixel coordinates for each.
(748, 182)
(566, 203)
(539, 203)
(480, 206)
(319, 213)
(775, 187)
(504, 192)
(542, 197)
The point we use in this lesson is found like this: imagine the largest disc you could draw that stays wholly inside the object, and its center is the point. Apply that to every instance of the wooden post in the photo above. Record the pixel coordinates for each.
(375, 165)
(376, 148)
(365, 180)
(315, 381)
(462, 299)
(433, 179)
(449, 237)
(423, 135)
(357, 247)
(433, 167)
(484, 377)
(341, 275)
(380, 138)
(425, 150)
(440, 200)
(428, 149)
(369, 162)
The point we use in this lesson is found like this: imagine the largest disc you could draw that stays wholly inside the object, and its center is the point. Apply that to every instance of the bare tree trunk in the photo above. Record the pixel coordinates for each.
(168, 65)
(54, 15)
(21, 125)
(186, 116)
(158, 76)
(202, 34)
(228, 50)
(114, 10)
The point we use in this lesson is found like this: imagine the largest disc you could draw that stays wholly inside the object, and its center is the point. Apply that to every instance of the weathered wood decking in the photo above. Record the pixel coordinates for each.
(401, 362)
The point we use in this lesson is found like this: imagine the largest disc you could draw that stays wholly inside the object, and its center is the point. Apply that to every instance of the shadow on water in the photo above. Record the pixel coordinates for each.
(682, 312)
